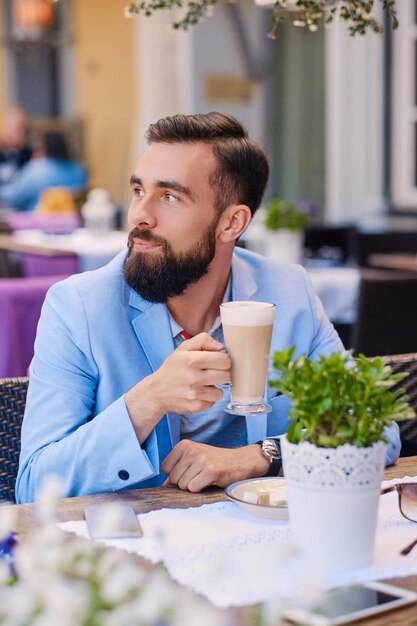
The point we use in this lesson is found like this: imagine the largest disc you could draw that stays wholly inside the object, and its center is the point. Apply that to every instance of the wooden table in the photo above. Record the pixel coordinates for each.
(92, 249)
(10, 244)
(144, 500)
(405, 262)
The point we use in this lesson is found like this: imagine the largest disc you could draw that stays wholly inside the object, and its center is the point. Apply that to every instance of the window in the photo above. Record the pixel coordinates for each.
(39, 72)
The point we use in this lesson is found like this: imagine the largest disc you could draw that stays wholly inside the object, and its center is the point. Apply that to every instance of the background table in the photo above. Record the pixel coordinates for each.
(405, 262)
(91, 249)
(338, 289)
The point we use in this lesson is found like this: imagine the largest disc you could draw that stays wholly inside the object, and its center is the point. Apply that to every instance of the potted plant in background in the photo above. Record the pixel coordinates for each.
(285, 224)
(334, 450)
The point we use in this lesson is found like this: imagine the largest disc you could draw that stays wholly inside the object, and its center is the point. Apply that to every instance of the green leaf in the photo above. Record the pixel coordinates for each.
(284, 214)
(339, 399)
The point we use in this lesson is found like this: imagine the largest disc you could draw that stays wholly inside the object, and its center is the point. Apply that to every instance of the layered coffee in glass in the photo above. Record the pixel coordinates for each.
(247, 330)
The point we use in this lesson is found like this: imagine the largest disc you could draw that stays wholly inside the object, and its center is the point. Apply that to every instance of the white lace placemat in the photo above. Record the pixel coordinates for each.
(235, 559)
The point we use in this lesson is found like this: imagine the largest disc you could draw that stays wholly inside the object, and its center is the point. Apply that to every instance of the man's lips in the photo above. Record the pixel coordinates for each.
(141, 245)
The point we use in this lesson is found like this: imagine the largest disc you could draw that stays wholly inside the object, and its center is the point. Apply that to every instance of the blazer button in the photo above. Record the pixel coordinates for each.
(124, 475)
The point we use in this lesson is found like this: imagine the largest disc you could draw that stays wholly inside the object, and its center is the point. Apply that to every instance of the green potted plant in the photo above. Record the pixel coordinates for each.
(334, 450)
(285, 223)
(284, 214)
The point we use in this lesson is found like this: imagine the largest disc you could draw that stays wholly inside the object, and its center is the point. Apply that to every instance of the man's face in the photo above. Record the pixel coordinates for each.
(173, 221)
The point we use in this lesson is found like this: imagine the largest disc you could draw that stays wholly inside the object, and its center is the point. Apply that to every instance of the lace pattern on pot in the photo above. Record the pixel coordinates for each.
(346, 467)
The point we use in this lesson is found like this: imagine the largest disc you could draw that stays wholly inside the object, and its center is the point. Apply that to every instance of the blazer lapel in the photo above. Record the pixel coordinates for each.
(244, 286)
(153, 330)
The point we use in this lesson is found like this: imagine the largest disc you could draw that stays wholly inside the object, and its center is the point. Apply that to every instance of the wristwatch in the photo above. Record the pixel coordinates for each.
(271, 449)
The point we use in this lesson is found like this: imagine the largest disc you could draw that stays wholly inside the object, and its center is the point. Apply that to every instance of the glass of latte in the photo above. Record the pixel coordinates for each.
(247, 330)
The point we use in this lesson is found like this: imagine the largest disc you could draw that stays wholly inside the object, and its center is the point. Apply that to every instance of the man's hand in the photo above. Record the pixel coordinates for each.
(185, 383)
(188, 376)
(193, 466)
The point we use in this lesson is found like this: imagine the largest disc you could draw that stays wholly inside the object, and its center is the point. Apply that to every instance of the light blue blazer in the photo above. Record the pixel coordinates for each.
(97, 338)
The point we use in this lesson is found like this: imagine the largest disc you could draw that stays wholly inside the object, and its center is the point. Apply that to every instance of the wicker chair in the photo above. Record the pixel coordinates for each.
(408, 428)
(12, 406)
(9, 265)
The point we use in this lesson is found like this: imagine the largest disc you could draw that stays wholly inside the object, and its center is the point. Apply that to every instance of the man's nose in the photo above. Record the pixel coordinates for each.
(141, 213)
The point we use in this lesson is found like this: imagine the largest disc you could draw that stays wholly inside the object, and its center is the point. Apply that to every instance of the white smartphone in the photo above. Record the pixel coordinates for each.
(112, 521)
(351, 603)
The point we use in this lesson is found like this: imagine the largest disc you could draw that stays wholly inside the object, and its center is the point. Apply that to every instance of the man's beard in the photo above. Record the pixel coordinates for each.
(157, 277)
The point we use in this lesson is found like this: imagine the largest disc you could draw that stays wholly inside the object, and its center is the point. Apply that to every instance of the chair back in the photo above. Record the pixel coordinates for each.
(12, 407)
(9, 265)
(387, 314)
(329, 241)
(408, 428)
(365, 244)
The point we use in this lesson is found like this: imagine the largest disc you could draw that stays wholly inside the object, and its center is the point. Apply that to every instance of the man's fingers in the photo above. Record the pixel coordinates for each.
(204, 394)
(205, 360)
(202, 341)
(188, 477)
(215, 377)
(199, 482)
(182, 473)
(169, 462)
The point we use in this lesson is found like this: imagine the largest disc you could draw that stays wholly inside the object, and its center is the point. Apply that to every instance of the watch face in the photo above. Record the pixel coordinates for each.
(270, 449)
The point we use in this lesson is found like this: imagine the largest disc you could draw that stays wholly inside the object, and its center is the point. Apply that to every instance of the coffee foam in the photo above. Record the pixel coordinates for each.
(241, 313)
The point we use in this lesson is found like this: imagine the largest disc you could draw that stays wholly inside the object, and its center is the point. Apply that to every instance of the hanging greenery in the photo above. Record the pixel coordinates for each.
(358, 14)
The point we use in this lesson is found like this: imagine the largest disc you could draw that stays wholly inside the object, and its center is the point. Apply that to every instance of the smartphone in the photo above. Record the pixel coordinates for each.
(351, 603)
(112, 521)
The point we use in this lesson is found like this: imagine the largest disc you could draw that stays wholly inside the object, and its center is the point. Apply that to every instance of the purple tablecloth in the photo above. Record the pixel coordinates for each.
(64, 223)
(21, 301)
(39, 265)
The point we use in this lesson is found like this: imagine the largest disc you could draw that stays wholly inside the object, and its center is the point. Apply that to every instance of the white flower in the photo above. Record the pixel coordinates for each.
(46, 504)
(195, 610)
(64, 601)
(4, 572)
(272, 611)
(158, 596)
(8, 518)
(122, 582)
(16, 605)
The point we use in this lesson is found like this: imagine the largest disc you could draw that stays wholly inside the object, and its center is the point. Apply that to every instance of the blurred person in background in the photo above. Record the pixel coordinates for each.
(15, 150)
(50, 166)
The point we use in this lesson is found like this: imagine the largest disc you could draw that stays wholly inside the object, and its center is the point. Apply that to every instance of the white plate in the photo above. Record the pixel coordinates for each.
(246, 494)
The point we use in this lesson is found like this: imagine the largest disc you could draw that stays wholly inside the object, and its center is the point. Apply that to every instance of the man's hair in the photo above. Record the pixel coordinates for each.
(242, 165)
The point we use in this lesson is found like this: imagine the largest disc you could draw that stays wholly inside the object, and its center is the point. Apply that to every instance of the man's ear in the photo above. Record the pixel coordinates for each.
(233, 222)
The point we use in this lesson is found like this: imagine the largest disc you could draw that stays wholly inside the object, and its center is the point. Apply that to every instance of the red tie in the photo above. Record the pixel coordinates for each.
(185, 335)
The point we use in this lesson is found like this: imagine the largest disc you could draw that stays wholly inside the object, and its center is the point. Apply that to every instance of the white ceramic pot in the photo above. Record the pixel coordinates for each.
(333, 496)
(284, 245)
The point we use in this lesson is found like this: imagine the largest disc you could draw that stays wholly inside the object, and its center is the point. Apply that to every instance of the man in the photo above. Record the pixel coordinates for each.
(125, 386)
(51, 166)
(15, 151)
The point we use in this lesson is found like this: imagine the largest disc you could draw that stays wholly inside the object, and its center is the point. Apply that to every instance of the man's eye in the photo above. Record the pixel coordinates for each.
(138, 191)
(170, 197)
